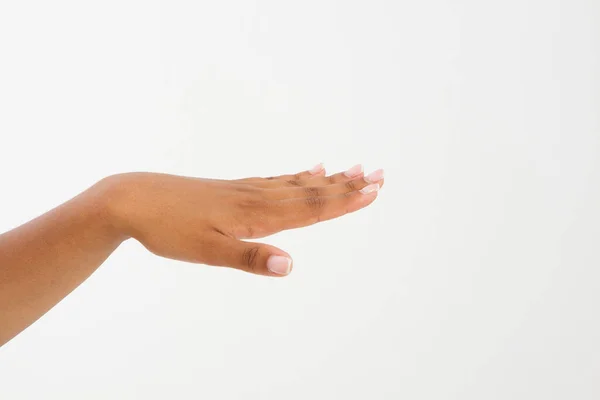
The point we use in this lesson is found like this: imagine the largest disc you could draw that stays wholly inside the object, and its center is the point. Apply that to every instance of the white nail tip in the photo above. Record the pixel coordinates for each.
(316, 169)
(354, 171)
(370, 189)
(375, 176)
(279, 265)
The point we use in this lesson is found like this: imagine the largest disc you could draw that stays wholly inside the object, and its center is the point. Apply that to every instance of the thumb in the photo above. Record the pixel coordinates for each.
(256, 258)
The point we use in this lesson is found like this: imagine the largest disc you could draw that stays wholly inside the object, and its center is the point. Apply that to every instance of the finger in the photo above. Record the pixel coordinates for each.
(375, 177)
(352, 173)
(316, 180)
(320, 191)
(317, 170)
(256, 258)
(299, 212)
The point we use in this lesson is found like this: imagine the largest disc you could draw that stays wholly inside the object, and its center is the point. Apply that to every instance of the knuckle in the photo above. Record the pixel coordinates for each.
(260, 194)
(250, 257)
(350, 185)
(312, 191)
(294, 182)
(253, 200)
(315, 203)
(332, 179)
(250, 203)
(244, 188)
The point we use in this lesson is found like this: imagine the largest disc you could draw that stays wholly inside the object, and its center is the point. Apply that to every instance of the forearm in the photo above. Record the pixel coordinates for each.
(44, 260)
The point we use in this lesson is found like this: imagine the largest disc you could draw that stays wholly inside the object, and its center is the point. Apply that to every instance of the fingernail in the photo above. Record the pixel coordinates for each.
(352, 172)
(374, 176)
(370, 189)
(316, 169)
(279, 265)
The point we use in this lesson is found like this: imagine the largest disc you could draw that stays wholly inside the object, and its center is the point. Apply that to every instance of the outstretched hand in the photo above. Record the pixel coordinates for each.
(189, 219)
(203, 220)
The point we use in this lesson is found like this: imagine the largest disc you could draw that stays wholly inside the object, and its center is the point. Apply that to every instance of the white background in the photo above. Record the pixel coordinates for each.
(475, 275)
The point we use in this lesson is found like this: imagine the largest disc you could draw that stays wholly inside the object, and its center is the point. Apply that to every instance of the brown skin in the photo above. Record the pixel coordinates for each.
(188, 219)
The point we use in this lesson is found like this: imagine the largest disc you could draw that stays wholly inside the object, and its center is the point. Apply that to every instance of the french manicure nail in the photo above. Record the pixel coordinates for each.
(279, 265)
(370, 189)
(316, 169)
(354, 171)
(374, 176)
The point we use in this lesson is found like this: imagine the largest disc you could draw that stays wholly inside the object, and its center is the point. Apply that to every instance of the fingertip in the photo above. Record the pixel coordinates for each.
(355, 171)
(375, 176)
(318, 169)
(370, 189)
(363, 197)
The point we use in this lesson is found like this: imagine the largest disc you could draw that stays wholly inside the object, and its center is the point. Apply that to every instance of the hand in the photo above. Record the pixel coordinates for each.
(202, 220)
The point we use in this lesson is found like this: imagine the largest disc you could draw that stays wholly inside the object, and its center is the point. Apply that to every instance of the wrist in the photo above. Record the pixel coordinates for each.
(111, 196)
